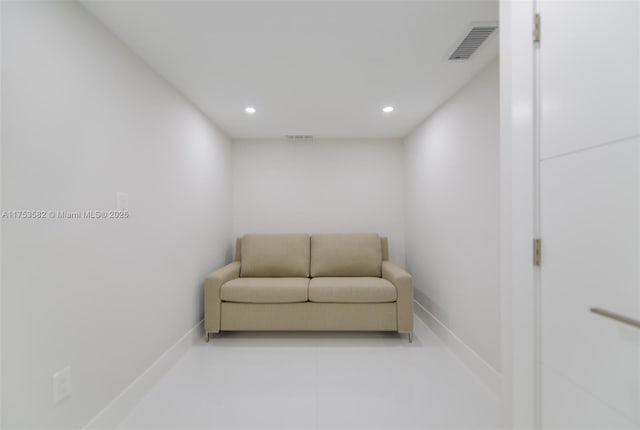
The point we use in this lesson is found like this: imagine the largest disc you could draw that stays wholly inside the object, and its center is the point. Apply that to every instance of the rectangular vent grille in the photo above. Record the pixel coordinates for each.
(299, 137)
(472, 42)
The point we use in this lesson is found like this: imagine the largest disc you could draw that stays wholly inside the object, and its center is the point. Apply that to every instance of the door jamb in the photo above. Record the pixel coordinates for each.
(518, 215)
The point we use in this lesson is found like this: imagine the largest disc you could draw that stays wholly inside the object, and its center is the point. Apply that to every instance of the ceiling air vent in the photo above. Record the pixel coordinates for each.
(472, 41)
(299, 137)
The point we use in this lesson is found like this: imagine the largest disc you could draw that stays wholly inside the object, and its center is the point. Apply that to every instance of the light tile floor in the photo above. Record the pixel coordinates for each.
(318, 381)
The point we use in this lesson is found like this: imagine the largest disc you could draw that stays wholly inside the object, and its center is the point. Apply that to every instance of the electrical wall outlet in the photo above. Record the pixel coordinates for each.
(61, 385)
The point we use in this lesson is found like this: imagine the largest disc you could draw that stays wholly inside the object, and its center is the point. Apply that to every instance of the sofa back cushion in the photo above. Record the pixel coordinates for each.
(346, 255)
(275, 255)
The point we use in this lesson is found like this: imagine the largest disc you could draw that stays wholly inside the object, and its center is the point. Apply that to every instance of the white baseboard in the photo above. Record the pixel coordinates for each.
(113, 414)
(490, 376)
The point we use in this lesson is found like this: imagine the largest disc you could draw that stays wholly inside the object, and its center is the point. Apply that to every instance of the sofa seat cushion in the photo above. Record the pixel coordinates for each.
(351, 290)
(345, 255)
(265, 290)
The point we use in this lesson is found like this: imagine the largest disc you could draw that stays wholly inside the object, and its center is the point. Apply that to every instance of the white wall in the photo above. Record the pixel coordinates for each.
(320, 187)
(83, 119)
(452, 210)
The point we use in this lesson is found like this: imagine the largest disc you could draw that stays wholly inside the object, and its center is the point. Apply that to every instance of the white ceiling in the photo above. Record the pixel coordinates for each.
(324, 68)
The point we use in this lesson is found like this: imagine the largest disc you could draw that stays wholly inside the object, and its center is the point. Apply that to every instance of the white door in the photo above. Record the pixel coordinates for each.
(589, 77)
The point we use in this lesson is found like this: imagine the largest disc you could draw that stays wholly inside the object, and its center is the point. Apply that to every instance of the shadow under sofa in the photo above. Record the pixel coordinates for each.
(299, 282)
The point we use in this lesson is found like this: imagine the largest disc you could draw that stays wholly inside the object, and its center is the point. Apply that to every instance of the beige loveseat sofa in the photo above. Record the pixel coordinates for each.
(301, 282)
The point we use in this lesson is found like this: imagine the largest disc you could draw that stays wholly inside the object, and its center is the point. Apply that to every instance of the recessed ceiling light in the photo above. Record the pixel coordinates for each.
(250, 109)
(387, 109)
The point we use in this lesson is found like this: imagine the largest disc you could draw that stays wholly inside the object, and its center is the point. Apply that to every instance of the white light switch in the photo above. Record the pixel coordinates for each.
(122, 201)
(61, 385)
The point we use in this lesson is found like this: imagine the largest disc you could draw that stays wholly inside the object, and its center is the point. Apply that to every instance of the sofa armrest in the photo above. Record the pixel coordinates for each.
(404, 285)
(212, 284)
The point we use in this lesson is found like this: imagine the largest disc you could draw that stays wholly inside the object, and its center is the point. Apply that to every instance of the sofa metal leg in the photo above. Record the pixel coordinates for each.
(206, 336)
(410, 337)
